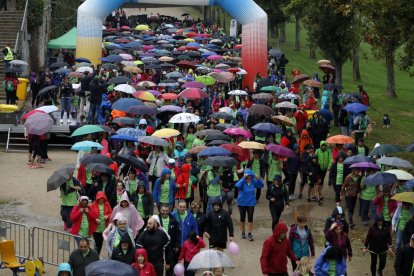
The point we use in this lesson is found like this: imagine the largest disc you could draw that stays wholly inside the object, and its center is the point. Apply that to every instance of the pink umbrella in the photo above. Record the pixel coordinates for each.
(280, 150)
(126, 56)
(217, 70)
(31, 112)
(215, 57)
(238, 132)
(148, 47)
(193, 93)
(154, 92)
(194, 84)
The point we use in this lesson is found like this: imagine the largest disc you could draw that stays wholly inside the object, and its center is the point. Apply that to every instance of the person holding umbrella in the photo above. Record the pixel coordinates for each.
(384, 204)
(246, 201)
(367, 195)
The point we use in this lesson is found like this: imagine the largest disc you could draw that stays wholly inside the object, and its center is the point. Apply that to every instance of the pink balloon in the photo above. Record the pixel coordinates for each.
(179, 269)
(233, 248)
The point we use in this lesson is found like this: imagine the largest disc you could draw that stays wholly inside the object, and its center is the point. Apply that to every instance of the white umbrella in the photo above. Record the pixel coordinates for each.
(18, 62)
(126, 56)
(128, 63)
(401, 175)
(208, 259)
(126, 88)
(238, 93)
(84, 69)
(182, 118)
(76, 86)
(48, 108)
(286, 105)
(227, 110)
(241, 72)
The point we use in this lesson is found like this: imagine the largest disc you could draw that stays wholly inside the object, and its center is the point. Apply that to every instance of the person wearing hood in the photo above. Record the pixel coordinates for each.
(134, 220)
(292, 168)
(141, 264)
(301, 117)
(69, 199)
(246, 201)
(121, 231)
(217, 224)
(155, 241)
(179, 152)
(350, 189)
(278, 197)
(336, 105)
(338, 217)
(258, 166)
(325, 161)
(337, 238)
(143, 202)
(330, 262)
(104, 210)
(164, 189)
(124, 252)
(301, 240)
(378, 242)
(142, 127)
(191, 247)
(276, 250)
(64, 269)
(337, 175)
(325, 100)
(404, 261)
(80, 258)
(106, 184)
(83, 218)
(184, 185)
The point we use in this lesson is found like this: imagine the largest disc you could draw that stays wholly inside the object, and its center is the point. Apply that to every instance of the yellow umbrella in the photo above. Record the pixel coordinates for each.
(323, 61)
(401, 175)
(189, 40)
(165, 59)
(142, 28)
(146, 96)
(310, 113)
(166, 133)
(404, 197)
(252, 145)
(138, 62)
(284, 120)
(133, 69)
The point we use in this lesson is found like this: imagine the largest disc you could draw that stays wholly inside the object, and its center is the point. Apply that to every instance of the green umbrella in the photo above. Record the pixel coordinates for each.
(87, 129)
(270, 88)
(60, 176)
(207, 80)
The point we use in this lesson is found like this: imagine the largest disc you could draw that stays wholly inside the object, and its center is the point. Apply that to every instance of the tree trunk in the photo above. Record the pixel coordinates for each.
(355, 64)
(338, 72)
(282, 29)
(390, 61)
(218, 17)
(312, 51)
(224, 21)
(297, 33)
(207, 13)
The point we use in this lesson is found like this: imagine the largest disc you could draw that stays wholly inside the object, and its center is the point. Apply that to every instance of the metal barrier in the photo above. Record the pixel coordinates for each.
(51, 246)
(54, 247)
(21, 236)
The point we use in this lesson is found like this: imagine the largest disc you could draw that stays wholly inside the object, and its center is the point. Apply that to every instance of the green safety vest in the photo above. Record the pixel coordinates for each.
(9, 55)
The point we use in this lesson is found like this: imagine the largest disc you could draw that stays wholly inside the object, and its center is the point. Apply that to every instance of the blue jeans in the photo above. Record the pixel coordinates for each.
(210, 201)
(367, 208)
(65, 107)
(228, 196)
(398, 239)
(93, 113)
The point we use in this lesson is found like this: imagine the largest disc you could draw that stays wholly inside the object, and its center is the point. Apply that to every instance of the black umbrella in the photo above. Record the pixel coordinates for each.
(167, 65)
(60, 176)
(110, 66)
(101, 168)
(277, 53)
(46, 90)
(96, 158)
(119, 80)
(185, 14)
(107, 267)
(132, 161)
(220, 161)
(217, 136)
(124, 121)
(357, 159)
(206, 132)
(58, 64)
(217, 142)
(385, 149)
(222, 115)
(155, 141)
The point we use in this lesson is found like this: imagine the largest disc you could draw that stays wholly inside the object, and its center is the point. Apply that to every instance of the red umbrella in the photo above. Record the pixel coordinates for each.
(191, 34)
(238, 132)
(193, 93)
(169, 96)
(242, 154)
(186, 64)
(126, 28)
(214, 57)
(182, 48)
(31, 112)
(233, 70)
(191, 48)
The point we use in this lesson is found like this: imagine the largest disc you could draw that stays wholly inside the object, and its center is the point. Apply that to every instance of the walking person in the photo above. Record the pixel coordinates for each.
(246, 201)
(68, 199)
(217, 224)
(227, 188)
(301, 240)
(325, 161)
(164, 189)
(293, 164)
(143, 202)
(258, 166)
(366, 197)
(337, 238)
(199, 216)
(66, 92)
(401, 216)
(404, 261)
(350, 189)
(10, 86)
(277, 195)
(124, 252)
(104, 210)
(276, 250)
(331, 262)
(191, 247)
(378, 242)
(157, 161)
(337, 174)
(80, 258)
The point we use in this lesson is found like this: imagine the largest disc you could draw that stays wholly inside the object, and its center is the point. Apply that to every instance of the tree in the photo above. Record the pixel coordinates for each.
(276, 17)
(384, 34)
(330, 27)
(405, 21)
(296, 8)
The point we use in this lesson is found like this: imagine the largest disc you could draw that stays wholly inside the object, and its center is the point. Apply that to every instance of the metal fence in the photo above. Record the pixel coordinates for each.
(20, 234)
(51, 246)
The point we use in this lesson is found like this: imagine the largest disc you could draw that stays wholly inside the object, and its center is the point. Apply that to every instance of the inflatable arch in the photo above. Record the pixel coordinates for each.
(253, 19)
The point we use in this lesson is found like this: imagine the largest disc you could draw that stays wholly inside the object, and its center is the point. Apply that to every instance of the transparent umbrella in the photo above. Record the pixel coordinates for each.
(208, 259)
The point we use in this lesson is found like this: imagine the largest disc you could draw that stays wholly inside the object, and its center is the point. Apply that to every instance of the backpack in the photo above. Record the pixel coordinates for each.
(363, 124)
(9, 86)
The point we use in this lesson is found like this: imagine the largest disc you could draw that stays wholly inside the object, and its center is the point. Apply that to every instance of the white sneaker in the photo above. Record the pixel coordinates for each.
(61, 121)
(68, 122)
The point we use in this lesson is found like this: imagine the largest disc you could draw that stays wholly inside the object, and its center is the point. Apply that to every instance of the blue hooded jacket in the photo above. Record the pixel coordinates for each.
(64, 267)
(189, 224)
(247, 192)
(156, 191)
(322, 266)
(180, 154)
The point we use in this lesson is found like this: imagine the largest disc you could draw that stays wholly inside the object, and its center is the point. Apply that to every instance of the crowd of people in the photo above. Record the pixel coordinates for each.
(158, 211)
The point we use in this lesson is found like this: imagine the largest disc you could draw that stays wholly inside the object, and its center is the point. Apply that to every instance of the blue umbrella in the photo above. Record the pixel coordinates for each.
(379, 178)
(128, 131)
(193, 44)
(124, 138)
(207, 54)
(112, 58)
(81, 59)
(125, 103)
(214, 151)
(86, 145)
(267, 127)
(409, 185)
(356, 108)
(357, 159)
